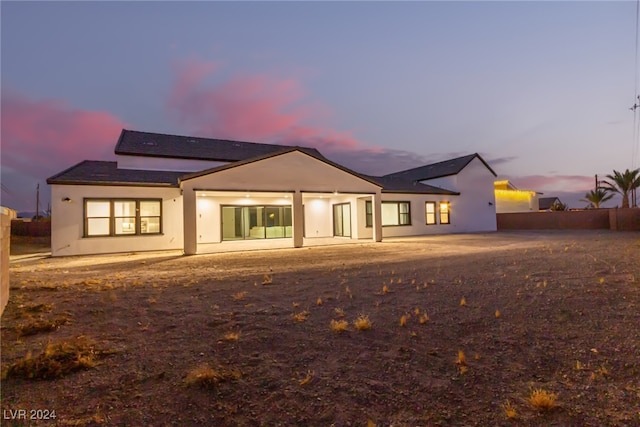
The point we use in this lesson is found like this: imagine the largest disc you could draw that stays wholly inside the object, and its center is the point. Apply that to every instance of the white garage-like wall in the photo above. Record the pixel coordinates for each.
(67, 223)
(419, 225)
(476, 208)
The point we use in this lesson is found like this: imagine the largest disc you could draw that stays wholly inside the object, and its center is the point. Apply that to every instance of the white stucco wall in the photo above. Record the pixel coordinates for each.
(67, 220)
(318, 216)
(419, 225)
(164, 164)
(287, 172)
(476, 208)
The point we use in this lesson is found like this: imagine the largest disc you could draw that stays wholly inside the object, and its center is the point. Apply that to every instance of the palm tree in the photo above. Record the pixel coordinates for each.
(597, 197)
(558, 206)
(623, 183)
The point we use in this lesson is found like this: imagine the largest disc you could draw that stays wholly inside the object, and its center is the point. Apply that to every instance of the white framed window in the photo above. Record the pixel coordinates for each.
(122, 217)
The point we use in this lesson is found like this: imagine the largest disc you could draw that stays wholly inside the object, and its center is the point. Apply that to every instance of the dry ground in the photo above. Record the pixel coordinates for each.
(568, 302)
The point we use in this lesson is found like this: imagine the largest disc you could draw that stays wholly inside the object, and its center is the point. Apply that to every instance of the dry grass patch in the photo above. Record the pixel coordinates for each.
(307, 378)
(424, 318)
(239, 296)
(339, 325)
(339, 312)
(205, 376)
(509, 410)
(301, 316)
(362, 323)
(542, 400)
(232, 336)
(37, 308)
(461, 359)
(403, 320)
(463, 302)
(57, 360)
(41, 325)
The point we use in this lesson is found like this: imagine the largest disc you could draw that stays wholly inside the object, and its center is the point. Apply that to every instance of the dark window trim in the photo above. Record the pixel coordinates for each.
(408, 214)
(448, 212)
(435, 213)
(112, 217)
(368, 213)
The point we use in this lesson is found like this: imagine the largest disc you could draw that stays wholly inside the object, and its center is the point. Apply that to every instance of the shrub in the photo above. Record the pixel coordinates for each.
(542, 400)
(57, 360)
(362, 323)
(339, 325)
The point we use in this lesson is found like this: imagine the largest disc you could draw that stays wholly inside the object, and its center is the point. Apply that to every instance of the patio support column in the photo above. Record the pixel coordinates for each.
(376, 202)
(189, 213)
(298, 230)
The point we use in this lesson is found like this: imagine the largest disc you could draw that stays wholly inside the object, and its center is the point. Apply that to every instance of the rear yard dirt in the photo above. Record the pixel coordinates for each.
(461, 327)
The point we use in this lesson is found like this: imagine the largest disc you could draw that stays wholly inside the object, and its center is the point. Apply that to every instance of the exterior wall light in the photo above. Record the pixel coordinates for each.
(66, 199)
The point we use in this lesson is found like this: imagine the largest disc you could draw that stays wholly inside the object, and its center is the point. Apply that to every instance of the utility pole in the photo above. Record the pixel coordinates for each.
(37, 200)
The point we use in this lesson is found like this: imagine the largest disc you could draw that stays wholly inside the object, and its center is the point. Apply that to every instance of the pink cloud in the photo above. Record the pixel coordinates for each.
(257, 108)
(42, 137)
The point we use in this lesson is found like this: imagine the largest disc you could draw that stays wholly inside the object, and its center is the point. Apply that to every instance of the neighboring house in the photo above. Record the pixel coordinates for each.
(545, 203)
(205, 195)
(510, 199)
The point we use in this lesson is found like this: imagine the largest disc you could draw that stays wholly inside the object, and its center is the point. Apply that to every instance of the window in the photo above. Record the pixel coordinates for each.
(368, 213)
(342, 220)
(122, 217)
(430, 210)
(445, 212)
(256, 222)
(396, 213)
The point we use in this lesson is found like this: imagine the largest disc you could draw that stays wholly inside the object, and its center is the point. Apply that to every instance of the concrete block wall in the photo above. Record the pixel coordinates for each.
(5, 242)
(594, 219)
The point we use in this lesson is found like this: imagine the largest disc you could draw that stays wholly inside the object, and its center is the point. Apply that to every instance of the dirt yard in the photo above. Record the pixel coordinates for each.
(464, 329)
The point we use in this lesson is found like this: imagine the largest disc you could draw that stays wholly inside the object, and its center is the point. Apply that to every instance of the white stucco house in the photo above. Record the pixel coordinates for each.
(200, 195)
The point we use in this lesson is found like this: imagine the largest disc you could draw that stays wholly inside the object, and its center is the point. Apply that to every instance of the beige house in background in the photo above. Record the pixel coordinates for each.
(510, 199)
(205, 195)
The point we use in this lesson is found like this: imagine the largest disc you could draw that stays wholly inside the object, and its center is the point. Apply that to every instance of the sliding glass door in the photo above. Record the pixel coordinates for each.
(342, 220)
(256, 222)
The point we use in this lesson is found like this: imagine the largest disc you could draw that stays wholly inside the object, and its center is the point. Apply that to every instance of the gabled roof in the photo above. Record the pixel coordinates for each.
(283, 150)
(438, 170)
(400, 185)
(89, 172)
(545, 203)
(135, 143)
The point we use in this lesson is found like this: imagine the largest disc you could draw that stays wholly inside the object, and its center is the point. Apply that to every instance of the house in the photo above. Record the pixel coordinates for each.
(203, 195)
(545, 203)
(510, 199)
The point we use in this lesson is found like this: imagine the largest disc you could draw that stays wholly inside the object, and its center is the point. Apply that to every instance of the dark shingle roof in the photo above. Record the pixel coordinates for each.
(91, 172)
(400, 185)
(544, 203)
(440, 169)
(134, 143)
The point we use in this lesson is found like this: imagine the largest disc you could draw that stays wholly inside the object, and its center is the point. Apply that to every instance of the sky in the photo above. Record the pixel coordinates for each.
(541, 90)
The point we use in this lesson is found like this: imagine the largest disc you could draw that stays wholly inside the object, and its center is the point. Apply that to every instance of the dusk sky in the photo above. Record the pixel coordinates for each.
(541, 90)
